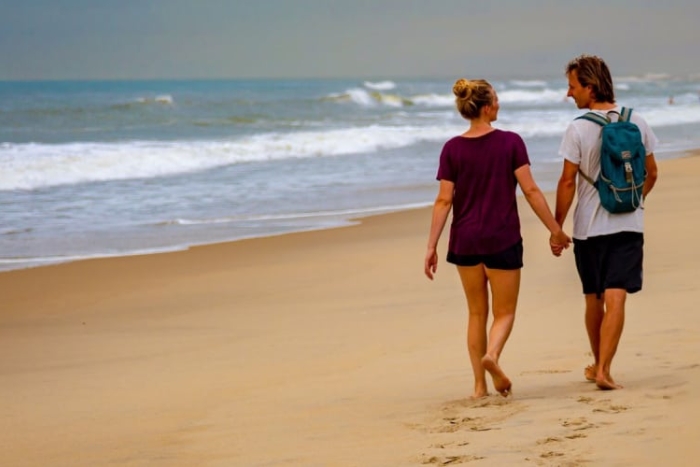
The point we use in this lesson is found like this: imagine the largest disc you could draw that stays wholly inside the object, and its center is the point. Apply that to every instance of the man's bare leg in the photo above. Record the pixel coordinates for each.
(505, 287)
(610, 333)
(594, 319)
(475, 289)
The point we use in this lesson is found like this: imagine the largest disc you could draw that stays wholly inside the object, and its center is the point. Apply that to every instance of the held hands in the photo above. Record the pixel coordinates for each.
(431, 260)
(558, 242)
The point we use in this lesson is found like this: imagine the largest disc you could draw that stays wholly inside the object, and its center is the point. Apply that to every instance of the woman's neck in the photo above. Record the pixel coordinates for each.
(479, 127)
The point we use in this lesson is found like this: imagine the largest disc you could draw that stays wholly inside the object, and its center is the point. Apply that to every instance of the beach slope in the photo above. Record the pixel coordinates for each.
(331, 348)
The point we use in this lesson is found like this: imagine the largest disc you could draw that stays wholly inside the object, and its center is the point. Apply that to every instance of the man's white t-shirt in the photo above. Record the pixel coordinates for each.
(581, 146)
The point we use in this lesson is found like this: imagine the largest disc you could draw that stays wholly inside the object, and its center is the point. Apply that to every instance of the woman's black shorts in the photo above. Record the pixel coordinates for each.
(510, 258)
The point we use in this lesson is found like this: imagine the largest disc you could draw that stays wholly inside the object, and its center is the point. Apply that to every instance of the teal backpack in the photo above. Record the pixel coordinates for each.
(622, 162)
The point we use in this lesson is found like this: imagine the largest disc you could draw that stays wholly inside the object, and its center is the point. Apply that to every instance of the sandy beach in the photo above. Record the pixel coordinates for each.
(330, 348)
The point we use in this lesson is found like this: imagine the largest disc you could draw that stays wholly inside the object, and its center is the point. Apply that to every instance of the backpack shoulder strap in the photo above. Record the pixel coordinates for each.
(586, 177)
(600, 120)
(625, 114)
(595, 118)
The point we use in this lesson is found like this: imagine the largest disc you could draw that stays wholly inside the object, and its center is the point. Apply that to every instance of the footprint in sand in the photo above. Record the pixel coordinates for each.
(450, 460)
(447, 445)
(551, 439)
(455, 418)
(452, 424)
(461, 415)
(611, 409)
(578, 424)
(549, 454)
(561, 457)
(603, 405)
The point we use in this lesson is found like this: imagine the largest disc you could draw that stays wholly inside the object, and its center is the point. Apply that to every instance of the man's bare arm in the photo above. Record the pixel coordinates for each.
(652, 174)
(566, 189)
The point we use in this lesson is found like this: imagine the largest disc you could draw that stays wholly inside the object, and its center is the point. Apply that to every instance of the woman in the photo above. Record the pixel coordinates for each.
(478, 173)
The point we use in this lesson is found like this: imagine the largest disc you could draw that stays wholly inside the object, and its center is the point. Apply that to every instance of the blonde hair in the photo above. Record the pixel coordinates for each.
(471, 96)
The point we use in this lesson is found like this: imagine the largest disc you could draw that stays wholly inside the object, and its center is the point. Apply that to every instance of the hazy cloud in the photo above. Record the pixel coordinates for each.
(48, 39)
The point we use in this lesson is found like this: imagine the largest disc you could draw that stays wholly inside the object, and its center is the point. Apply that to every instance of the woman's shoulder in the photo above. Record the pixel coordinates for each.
(503, 135)
(454, 142)
(456, 139)
(509, 135)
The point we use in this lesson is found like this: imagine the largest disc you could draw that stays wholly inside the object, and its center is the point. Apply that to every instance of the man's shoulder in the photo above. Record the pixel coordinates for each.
(634, 117)
(578, 126)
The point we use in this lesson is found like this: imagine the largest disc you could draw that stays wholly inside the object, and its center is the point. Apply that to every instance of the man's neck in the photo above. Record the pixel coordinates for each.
(602, 106)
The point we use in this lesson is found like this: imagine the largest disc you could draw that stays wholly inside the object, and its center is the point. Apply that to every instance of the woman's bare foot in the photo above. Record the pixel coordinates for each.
(500, 380)
(590, 372)
(480, 390)
(606, 383)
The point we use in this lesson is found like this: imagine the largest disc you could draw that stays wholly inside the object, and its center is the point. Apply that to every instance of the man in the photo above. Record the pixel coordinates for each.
(608, 247)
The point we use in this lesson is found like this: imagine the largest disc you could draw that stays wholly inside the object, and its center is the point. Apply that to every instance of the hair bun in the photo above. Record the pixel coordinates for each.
(471, 95)
(461, 88)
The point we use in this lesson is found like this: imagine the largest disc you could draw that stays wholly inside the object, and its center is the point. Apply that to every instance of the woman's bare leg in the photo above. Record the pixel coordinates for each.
(476, 291)
(505, 287)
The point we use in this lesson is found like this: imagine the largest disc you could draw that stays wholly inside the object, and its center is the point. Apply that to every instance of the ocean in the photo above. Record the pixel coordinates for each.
(109, 168)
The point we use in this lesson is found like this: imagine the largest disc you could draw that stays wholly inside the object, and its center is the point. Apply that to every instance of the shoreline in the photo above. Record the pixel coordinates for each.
(342, 222)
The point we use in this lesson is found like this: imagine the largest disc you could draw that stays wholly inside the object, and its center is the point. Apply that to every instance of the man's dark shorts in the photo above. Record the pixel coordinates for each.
(610, 262)
(510, 258)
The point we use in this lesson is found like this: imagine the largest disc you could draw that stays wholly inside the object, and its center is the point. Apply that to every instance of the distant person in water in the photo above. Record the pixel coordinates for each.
(479, 171)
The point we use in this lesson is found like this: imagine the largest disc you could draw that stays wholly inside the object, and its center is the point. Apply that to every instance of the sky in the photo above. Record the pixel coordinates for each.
(378, 39)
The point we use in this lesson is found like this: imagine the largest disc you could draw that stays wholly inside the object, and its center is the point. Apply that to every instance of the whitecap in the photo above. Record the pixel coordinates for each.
(380, 85)
(535, 83)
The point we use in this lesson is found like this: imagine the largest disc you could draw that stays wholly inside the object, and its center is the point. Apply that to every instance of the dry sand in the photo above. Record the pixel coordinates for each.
(331, 348)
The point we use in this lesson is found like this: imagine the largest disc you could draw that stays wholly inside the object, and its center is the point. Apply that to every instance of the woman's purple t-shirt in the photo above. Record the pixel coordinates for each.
(484, 209)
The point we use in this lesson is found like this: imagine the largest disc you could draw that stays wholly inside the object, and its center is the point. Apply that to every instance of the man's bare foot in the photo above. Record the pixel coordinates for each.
(479, 395)
(590, 372)
(606, 383)
(500, 380)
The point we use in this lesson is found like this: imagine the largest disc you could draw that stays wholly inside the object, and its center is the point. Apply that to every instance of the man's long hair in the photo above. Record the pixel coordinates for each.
(592, 71)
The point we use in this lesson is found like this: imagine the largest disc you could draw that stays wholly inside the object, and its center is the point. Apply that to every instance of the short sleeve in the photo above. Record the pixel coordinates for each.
(446, 170)
(570, 148)
(520, 156)
(648, 137)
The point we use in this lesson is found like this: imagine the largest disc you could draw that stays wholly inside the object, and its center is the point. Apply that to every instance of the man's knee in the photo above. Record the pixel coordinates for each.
(594, 303)
(615, 299)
